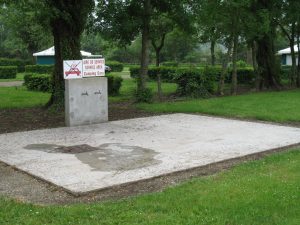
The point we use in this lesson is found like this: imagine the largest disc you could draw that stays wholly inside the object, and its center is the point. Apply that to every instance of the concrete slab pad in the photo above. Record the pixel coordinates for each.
(87, 158)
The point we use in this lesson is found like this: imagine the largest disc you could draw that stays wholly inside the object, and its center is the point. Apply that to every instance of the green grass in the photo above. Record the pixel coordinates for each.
(260, 192)
(20, 77)
(271, 106)
(19, 97)
(129, 86)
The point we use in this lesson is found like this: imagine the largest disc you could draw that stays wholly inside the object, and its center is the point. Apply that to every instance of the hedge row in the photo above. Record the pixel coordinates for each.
(42, 82)
(114, 85)
(19, 63)
(115, 66)
(40, 69)
(38, 82)
(194, 83)
(245, 75)
(8, 72)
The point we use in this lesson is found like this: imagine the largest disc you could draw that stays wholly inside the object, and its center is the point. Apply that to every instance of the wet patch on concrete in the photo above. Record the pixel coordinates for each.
(106, 157)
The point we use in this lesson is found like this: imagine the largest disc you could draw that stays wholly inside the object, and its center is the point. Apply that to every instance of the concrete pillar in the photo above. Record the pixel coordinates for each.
(86, 101)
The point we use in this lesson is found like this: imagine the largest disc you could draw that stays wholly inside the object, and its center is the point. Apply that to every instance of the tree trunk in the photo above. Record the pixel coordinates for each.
(212, 52)
(234, 67)
(266, 62)
(66, 48)
(157, 55)
(145, 46)
(255, 67)
(224, 69)
(293, 55)
(159, 89)
(298, 54)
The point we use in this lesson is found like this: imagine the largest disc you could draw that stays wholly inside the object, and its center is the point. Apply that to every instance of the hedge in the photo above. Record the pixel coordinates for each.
(38, 82)
(194, 83)
(8, 72)
(42, 82)
(115, 66)
(15, 62)
(167, 73)
(244, 75)
(114, 85)
(285, 72)
(170, 64)
(40, 69)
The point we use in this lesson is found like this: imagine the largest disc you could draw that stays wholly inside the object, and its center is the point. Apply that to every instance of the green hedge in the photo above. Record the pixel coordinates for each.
(38, 82)
(40, 69)
(8, 72)
(194, 83)
(115, 66)
(114, 85)
(42, 82)
(285, 72)
(244, 75)
(167, 73)
(15, 62)
(170, 64)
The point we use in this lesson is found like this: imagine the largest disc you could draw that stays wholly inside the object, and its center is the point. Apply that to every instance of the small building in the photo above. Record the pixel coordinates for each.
(286, 57)
(47, 57)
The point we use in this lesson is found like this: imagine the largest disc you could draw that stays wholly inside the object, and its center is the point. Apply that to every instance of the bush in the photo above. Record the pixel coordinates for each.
(114, 85)
(134, 71)
(144, 95)
(244, 75)
(194, 83)
(40, 69)
(170, 64)
(167, 73)
(8, 72)
(213, 72)
(38, 82)
(285, 72)
(115, 66)
(15, 62)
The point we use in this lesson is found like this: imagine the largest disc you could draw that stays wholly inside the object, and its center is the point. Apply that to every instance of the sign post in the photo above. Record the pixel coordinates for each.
(86, 94)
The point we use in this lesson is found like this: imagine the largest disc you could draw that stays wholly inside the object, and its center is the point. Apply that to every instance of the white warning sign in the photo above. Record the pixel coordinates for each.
(93, 67)
(72, 69)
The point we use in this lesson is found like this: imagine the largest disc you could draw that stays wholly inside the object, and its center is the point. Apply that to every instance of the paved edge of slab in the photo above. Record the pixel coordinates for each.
(203, 170)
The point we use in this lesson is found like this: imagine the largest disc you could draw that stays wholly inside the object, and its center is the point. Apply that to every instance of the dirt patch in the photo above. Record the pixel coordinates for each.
(14, 120)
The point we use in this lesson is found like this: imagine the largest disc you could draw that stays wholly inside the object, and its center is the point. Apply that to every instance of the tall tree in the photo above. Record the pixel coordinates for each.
(124, 20)
(67, 20)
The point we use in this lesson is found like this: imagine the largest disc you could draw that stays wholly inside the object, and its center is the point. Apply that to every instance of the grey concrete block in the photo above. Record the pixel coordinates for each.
(86, 101)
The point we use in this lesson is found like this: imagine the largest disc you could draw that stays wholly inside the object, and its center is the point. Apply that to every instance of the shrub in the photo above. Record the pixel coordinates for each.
(15, 62)
(38, 82)
(40, 69)
(285, 72)
(194, 83)
(167, 73)
(244, 75)
(144, 95)
(134, 71)
(170, 64)
(114, 85)
(8, 72)
(214, 72)
(115, 66)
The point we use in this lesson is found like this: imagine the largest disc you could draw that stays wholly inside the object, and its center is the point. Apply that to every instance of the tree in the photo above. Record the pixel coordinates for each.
(20, 20)
(124, 20)
(67, 19)
(160, 25)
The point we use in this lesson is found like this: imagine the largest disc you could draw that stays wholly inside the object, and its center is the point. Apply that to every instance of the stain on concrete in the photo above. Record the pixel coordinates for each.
(106, 157)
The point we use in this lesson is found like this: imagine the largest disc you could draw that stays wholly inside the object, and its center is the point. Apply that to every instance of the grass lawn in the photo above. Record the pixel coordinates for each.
(20, 77)
(259, 192)
(19, 97)
(271, 106)
(129, 86)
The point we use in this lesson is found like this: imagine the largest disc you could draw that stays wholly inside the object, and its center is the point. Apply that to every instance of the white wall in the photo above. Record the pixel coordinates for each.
(289, 60)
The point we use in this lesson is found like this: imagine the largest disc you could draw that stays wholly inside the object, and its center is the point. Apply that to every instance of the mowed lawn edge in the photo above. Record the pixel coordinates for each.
(281, 106)
(20, 97)
(258, 192)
